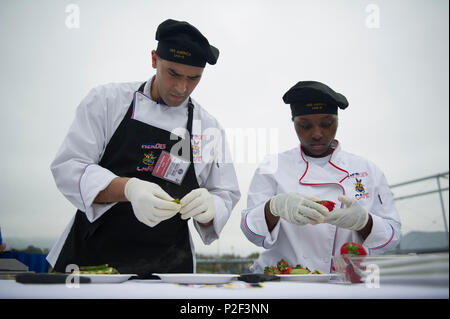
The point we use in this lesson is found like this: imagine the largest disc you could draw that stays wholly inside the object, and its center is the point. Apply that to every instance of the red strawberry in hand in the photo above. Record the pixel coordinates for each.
(327, 203)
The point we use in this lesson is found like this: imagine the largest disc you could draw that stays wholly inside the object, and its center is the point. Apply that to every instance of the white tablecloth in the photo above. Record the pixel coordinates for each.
(155, 289)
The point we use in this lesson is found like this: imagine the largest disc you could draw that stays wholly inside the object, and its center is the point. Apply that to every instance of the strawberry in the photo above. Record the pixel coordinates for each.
(288, 270)
(327, 203)
(348, 250)
(282, 265)
(352, 275)
(353, 249)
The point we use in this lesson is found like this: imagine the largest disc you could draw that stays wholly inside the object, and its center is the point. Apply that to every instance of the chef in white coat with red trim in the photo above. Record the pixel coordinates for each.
(282, 215)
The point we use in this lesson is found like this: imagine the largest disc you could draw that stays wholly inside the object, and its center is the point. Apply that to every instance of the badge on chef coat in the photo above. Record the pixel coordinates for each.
(171, 168)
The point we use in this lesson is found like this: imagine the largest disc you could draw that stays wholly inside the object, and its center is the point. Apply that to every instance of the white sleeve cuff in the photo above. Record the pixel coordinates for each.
(383, 236)
(254, 226)
(93, 180)
(207, 233)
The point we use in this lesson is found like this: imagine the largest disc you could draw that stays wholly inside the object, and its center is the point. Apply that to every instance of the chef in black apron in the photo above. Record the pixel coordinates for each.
(130, 237)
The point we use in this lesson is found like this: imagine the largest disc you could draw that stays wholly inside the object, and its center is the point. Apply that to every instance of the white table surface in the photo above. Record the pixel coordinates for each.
(155, 289)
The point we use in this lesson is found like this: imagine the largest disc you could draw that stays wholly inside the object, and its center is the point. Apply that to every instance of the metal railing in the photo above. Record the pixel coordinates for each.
(439, 190)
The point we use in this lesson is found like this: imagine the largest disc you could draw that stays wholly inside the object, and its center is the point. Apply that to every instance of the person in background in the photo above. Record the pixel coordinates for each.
(283, 215)
(128, 164)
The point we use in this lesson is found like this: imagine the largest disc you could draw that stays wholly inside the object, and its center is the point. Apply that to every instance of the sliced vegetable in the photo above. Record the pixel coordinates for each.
(101, 269)
(317, 272)
(302, 271)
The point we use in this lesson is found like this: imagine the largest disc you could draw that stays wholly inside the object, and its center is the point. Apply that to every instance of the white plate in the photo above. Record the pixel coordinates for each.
(307, 277)
(197, 278)
(107, 279)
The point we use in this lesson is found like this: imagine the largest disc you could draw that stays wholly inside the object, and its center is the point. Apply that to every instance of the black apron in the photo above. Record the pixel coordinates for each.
(117, 238)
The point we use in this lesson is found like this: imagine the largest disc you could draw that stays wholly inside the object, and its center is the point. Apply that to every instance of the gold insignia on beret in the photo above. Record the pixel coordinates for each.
(316, 106)
(179, 53)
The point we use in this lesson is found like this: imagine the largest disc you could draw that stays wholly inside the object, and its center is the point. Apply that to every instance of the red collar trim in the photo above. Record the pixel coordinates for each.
(329, 161)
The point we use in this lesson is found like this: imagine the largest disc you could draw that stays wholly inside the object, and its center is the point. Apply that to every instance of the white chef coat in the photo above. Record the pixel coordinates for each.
(79, 177)
(313, 246)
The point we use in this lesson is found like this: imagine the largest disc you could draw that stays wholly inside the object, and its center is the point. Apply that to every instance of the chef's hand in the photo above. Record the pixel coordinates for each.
(151, 204)
(198, 204)
(297, 209)
(353, 216)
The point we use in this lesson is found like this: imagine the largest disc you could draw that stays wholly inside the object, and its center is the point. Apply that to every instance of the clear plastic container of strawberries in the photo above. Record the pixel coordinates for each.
(351, 262)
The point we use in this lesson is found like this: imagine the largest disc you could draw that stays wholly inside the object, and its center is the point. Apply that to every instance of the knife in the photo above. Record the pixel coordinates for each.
(44, 278)
(254, 278)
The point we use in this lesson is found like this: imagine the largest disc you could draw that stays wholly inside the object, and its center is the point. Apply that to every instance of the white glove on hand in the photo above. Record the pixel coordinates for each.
(151, 204)
(198, 204)
(353, 216)
(297, 209)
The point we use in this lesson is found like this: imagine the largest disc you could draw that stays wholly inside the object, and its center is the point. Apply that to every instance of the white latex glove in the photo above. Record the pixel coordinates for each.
(151, 204)
(198, 204)
(353, 216)
(297, 209)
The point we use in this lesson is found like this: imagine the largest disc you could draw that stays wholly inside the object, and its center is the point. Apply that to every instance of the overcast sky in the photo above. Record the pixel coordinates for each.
(389, 58)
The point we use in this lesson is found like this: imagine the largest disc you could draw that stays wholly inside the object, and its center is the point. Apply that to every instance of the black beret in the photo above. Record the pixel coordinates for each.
(183, 43)
(312, 97)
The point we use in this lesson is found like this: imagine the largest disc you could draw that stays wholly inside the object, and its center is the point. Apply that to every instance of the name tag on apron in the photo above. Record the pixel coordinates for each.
(171, 168)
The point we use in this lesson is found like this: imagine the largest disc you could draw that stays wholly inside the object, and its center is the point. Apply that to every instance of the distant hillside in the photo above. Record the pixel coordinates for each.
(19, 243)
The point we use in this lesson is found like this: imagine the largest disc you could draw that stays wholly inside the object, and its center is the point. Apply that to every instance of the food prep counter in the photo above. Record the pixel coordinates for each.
(431, 287)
